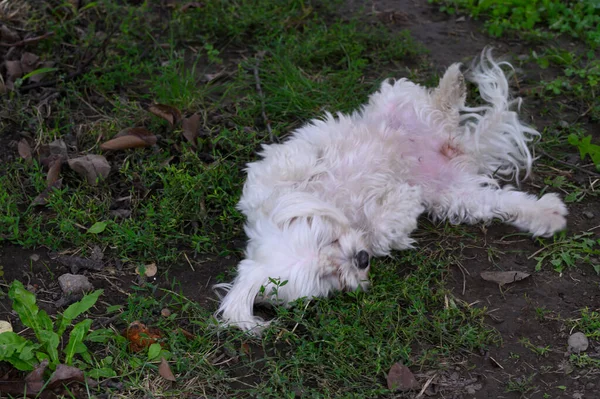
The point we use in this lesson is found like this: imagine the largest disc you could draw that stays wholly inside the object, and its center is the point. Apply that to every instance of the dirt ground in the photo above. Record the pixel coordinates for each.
(513, 310)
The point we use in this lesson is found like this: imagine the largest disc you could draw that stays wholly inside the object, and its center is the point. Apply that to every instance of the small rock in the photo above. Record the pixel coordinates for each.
(34, 257)
(588, 214)
(165, 312)
(563, 124)
(523, 57)
(74, 283)
(590, 385)
(460, 19)
(578, 342)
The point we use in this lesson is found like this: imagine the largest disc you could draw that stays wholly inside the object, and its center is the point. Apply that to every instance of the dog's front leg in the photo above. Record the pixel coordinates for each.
(391, 215)
(473, 203)
(236, 308)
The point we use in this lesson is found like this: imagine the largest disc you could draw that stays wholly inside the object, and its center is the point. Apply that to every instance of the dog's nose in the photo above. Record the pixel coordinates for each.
(362, 259)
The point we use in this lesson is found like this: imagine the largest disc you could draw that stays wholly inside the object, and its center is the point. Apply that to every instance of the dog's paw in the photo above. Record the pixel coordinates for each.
(549, 217)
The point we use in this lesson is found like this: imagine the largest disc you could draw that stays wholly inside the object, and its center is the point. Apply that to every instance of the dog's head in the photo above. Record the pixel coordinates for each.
(310, 244)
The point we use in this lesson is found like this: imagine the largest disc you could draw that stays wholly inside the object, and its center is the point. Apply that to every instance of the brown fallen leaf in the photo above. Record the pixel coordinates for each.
(7, 35)
(400, 378)
(502, 278)
(140, 336)
(190, 129)
(91, 166)
(65, 374)
(165, 370)
(193, 4)
(29, 62)
(35, 378)
(42, 198)
(135, 137)
(55, 164)
(168, 113)
(149, 270)
(58, 147)
(13, 70)
(24, 150)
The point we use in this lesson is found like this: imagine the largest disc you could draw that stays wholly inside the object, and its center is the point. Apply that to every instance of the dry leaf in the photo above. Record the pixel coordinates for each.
(502, 278)
(149, 270)
(187, 334)
(193, 4)
(24, 149)
(190, 129)
(55, 164)
(5, 326)
(7, 35)
(42, 198)
(29, 62)
(35, 379)
(140, 336)
(65, 374)
(92, 167)
(135, 137)
(165, 371)
(13, 70)
(170, 114)
(58, 147)
(400, 378)
(165, 312)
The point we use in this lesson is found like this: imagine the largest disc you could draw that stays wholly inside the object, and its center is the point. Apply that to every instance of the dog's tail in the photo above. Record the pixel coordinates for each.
(493, 131)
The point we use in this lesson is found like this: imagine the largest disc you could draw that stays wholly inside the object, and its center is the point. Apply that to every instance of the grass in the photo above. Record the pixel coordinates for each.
(181, 200)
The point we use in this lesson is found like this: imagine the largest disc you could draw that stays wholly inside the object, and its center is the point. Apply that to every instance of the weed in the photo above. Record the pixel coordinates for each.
(539, 350)
(25, 354)
(522, 385)
(567, 252)
(578, 19)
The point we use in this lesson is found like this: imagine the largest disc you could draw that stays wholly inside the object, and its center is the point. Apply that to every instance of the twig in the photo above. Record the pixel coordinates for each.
(425, 386)
(80, 69)
(262, 96)
(570, 165)
(25, 42)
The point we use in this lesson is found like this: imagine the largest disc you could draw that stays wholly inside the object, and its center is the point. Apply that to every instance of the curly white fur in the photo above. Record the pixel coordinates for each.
(348, 187)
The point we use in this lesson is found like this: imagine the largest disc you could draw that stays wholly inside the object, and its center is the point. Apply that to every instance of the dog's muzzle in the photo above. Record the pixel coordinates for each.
(362, 259)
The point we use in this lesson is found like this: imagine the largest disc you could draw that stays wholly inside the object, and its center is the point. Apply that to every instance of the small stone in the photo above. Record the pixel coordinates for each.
(460, 19)
(34, 257)
(578, 342)
(471, 391)
(563, 124)
(74, 283)
(165, 312)
(588, 214)
(523, 57)
(590, 385)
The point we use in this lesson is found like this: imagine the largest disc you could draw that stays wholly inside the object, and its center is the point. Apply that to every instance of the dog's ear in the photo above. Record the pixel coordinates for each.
(451, 93)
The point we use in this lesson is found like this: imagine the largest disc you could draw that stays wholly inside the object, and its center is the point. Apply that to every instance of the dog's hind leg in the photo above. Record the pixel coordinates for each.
(471, 203)
(391, 215)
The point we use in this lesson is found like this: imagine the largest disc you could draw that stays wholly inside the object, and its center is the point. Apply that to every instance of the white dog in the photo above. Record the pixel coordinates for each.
(343, 189)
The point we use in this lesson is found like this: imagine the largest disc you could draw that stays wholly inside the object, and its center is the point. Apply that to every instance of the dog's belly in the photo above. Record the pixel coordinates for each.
(430, 163)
